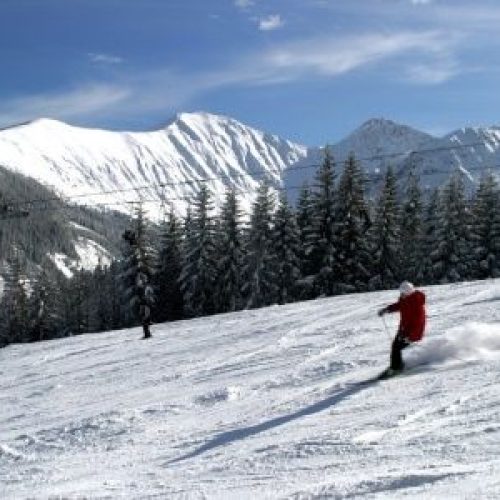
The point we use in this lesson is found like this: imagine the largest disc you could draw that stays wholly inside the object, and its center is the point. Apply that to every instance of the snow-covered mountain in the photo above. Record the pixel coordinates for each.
(379, 142)
(473, 151)
(261, 404)
(78, 161)
(169, 162)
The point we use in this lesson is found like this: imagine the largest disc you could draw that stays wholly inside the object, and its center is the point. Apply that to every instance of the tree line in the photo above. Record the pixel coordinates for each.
(335, 240)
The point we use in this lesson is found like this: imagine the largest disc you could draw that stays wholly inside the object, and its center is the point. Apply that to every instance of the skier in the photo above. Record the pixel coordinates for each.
(411, 306)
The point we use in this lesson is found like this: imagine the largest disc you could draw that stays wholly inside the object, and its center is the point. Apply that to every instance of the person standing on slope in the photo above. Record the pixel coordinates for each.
(411, 306)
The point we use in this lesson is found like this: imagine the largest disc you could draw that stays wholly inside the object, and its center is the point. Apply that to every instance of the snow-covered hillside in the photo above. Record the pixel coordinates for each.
(77, 161)
(132, 165)
(379, 143)
(474, 151)
(269, 403)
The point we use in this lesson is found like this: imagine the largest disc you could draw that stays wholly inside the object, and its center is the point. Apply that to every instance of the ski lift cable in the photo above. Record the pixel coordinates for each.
(250, 172)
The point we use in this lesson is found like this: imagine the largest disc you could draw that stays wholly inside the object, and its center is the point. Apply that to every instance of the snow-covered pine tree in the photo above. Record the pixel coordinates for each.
(230, 256)
(169, 306)
(114, 272)
(411, 229)
(259, 288)
(385, 236)
(15, 313)
(100, 300)
(323, 234)
(451, 256)
(77, 302)
(138, 265)
(305, 220)
(197, 279)
(286, 249)
(430, 228)
(47, 307)
(352, 222)
(485, 229)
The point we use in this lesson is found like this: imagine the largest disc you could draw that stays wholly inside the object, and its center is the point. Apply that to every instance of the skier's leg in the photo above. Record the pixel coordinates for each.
(145, 328)
(398, 345)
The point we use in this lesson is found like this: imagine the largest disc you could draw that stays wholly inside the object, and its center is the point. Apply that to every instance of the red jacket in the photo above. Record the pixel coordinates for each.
(412, 309)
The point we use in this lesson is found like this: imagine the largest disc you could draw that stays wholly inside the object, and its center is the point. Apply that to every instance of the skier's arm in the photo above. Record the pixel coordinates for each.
(390, 308)
(394, 307)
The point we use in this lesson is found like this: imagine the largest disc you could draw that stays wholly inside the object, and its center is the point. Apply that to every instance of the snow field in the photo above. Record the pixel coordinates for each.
(270, 403)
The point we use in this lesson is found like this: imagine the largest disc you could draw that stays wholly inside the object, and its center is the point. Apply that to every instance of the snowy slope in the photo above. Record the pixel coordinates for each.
(77, 161)
(261, 404)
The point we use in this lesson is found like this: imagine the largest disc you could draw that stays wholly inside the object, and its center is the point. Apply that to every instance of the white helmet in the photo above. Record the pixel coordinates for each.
(406, 288)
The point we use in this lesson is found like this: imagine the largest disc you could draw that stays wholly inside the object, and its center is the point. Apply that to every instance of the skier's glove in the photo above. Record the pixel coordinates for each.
(382, 311)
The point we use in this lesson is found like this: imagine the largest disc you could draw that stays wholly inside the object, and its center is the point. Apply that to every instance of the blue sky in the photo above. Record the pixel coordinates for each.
(308, 70)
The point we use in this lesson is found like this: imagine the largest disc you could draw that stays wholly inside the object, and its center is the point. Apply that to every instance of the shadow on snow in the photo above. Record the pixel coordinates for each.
(229, 437)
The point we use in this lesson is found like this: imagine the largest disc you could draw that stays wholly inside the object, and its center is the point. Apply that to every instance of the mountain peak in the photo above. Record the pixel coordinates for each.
(189, 117)
(74, 160)
(379, 136)
(385, 126)
(378, 122)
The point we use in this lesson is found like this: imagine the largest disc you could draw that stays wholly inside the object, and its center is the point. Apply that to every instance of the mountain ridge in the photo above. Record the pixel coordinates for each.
(75, 160)
(199, 145)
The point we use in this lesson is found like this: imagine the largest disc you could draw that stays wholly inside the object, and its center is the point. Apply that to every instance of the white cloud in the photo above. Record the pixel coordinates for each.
(79, 102)
(104, 58)
(421, 2)
(432, 73)
(420, 57)
(244, 4)
(333, 56)
(271, 22)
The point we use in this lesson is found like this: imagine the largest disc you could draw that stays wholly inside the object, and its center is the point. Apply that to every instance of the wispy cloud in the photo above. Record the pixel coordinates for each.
(136, 94)
(421, 2)
(432, 73)
(87, 100)
(104, 58)
(244, 4)
(334, 56)
(271, 22)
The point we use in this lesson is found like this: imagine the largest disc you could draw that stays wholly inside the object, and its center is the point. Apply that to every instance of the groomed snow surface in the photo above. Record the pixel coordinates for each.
(269, 403)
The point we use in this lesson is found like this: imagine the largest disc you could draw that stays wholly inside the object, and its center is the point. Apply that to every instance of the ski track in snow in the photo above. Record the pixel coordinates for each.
(271, 403)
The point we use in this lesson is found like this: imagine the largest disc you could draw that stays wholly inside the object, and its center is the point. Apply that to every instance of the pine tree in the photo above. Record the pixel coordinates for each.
(385, 236)
(305, 222)
(99, 299)
(486, 229)
(169, 303)
(14, 304)
(411, 230)
(286, 249)
(77, 310)
(352, 222)
(138, 267)
(197, 279)
(47, 307)
(451, 255)
(430, 238)
(259, 288)
(323, 237)
(230, 256)
(116, 295)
